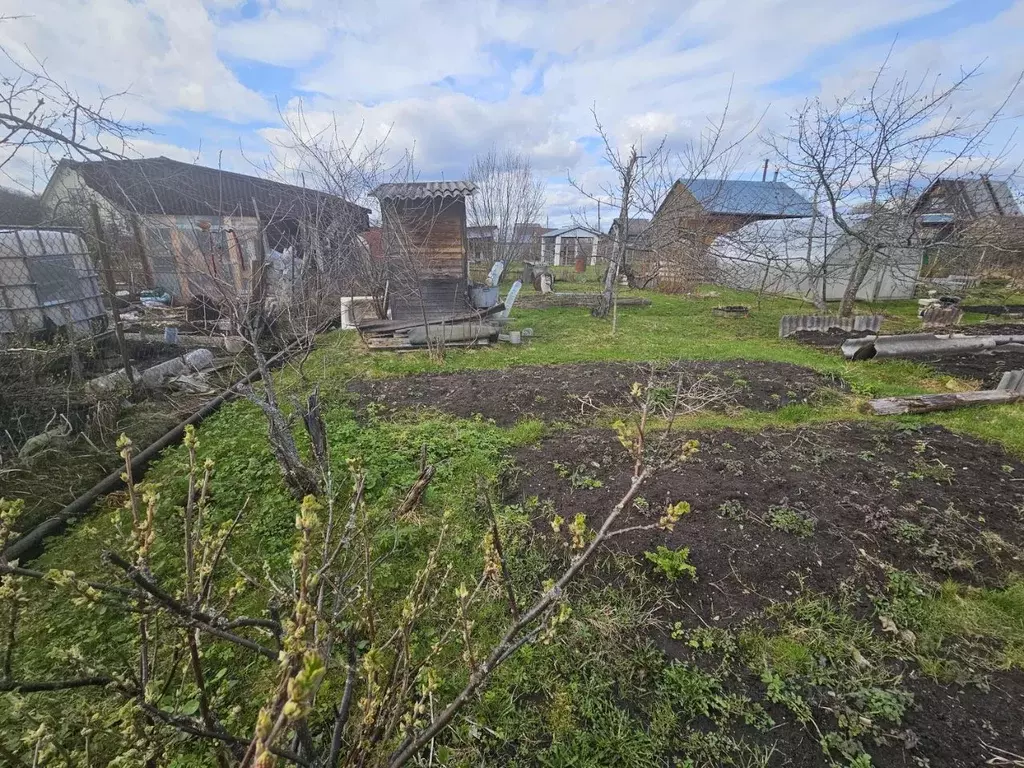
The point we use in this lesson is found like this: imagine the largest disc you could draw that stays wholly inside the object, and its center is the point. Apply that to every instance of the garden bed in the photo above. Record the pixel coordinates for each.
(573, 393)
(987, 366)
(787, 524)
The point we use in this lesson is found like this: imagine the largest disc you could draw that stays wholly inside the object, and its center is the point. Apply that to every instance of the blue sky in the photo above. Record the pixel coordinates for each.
(212, 78)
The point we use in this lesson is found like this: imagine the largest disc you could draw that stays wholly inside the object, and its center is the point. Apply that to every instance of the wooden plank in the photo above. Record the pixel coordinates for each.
(946, 401)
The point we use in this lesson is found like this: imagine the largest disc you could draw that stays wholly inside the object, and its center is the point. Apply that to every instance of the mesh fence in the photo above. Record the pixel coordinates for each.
(47, 281)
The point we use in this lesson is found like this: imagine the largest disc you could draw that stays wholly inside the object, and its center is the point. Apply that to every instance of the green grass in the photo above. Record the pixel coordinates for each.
(602, 693)
(676, 327)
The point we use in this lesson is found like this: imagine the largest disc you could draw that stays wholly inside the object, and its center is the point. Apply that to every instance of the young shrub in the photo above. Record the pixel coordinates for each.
(674, 563)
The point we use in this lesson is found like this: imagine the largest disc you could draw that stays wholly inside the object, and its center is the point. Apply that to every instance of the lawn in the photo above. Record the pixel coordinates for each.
(845, 591)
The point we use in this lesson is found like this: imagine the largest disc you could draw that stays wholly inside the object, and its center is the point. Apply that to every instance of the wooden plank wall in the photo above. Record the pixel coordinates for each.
(430, 233)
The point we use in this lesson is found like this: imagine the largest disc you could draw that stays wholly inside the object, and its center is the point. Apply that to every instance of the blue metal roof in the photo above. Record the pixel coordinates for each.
(748, 198)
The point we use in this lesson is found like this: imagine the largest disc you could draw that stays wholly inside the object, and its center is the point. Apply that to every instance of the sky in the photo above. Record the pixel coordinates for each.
(213, 80)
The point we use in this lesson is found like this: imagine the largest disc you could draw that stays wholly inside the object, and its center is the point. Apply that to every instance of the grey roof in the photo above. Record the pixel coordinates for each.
(636, 226)
(159, 185)
(19, 209)
(485, 231)
(748, 198)
(420, 190)
(563, 230)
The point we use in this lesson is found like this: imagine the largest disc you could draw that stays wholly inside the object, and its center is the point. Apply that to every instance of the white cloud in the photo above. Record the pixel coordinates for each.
(275, 38)
(161, 51)
(453, 78)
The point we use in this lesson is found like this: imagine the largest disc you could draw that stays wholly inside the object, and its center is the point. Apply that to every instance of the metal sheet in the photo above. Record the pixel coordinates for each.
(790, 324)
(922, 345)
(1012, 381)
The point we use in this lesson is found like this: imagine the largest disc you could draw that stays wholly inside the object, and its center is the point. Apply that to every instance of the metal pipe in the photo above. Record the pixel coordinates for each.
(33, 540)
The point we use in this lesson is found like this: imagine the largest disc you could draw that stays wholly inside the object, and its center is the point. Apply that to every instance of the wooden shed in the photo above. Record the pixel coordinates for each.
(424, 240)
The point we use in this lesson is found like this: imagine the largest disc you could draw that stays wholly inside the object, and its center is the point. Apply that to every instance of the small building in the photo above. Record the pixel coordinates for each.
(636, 229)
(47, 281)
(673, 249)
(196, 231)
(426, 244)
(481, 241)
(570, 245)
(967, 225)
(809, 259)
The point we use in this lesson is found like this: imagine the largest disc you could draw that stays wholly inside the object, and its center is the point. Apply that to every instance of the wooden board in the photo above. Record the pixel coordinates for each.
(945, 401)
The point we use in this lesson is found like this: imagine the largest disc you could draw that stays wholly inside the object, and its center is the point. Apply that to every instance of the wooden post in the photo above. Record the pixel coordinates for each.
(108, 278)
(140, 244)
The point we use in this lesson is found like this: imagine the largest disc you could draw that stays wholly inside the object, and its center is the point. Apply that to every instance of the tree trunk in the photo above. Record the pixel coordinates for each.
(619, 250)
(860, 271)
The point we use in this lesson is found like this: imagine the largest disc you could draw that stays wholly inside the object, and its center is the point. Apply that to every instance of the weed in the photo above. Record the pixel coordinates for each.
(708, 640)
(907, 532)
(732, 509)
(578, 478)
(783, 517)
(674, 563)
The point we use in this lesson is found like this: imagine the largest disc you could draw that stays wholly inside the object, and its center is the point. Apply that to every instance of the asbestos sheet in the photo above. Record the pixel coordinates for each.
(790, 324)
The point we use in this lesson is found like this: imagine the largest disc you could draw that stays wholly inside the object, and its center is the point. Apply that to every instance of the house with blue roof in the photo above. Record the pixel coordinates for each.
(673, 252)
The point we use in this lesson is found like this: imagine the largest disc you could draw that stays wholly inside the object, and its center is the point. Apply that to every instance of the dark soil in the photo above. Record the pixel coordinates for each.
(988, 366)
(913, 498)
(572, 393)
(954, 724)
(829, 339)
(924, 500)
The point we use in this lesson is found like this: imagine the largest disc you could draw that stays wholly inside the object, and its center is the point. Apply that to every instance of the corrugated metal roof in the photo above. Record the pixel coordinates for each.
(160, 185)
(748, 198)
(424, 189)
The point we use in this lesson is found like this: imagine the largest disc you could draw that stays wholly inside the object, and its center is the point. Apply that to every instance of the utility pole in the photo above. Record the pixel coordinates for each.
(108, 278)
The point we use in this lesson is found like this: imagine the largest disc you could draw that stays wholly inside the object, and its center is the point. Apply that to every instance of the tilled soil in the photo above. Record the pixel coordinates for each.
(913, 498)
(925, 501)
(987, 366)
(574, 392)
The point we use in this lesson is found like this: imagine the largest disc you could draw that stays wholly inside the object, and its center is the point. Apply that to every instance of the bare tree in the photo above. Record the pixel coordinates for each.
(509, 196)
(633, 170)
(875, 151)
(41, 113)
(671, 251)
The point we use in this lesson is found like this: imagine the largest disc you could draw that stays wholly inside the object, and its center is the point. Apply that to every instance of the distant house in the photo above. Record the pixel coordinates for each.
(969, 224)
(192, 230)
(636, 229)
(569, 245)
(481, 242)
(693, 214)
(426, 245)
